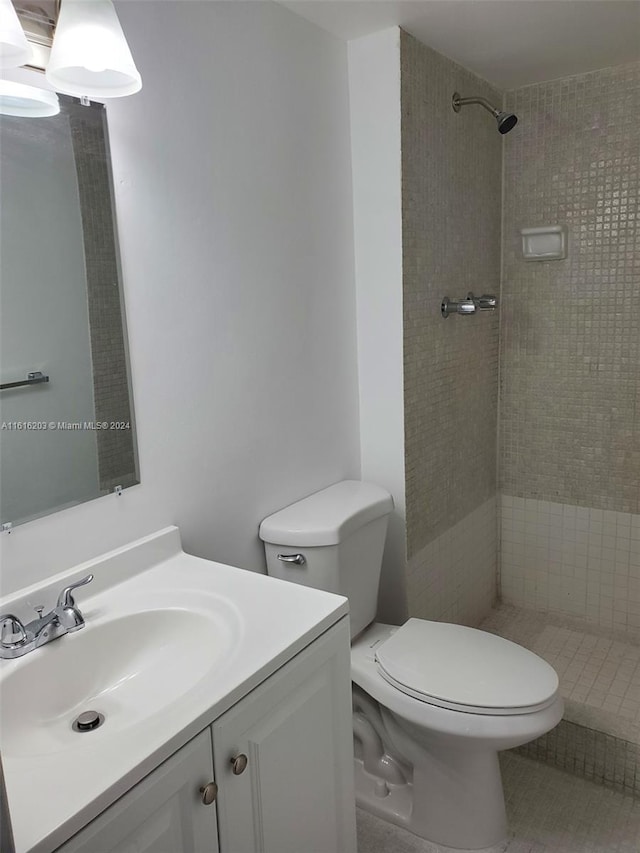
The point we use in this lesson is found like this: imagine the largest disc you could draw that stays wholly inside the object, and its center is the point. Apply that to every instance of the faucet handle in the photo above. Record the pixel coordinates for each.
(13, 631)
(487, 302)
(65, 599)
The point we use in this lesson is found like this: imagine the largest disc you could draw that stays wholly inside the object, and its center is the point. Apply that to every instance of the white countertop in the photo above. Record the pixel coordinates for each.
(265, 623)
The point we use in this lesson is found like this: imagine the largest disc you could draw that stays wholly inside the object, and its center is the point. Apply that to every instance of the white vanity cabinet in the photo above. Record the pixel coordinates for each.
(282, 759)
(290, 742)
(162, 814)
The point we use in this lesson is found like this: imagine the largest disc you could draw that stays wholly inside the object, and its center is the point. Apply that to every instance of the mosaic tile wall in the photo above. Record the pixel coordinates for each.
(574, 561)
(570, 351)
(116, 447)
(589, 753)
(451, 198)
(453, 578)
(570, 338)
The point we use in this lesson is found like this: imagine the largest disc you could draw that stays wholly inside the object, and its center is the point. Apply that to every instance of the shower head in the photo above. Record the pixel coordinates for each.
(506, 121)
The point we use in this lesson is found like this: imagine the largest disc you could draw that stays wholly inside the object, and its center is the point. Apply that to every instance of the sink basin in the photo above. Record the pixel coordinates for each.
(128, 668)
(171, 642)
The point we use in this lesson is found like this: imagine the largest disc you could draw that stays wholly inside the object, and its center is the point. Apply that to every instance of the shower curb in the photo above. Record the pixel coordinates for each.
(590, 754)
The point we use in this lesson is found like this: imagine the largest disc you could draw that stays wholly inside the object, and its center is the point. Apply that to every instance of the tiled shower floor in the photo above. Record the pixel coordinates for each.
(599, 675)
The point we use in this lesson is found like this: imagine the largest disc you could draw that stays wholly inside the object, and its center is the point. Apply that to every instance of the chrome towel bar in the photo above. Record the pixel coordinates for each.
(36, 377)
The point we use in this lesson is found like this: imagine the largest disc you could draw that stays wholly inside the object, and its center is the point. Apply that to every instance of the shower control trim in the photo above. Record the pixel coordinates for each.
(471, 305)
(457, 306)
(486, 302)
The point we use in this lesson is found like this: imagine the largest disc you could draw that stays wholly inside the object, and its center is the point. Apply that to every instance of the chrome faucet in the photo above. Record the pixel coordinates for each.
(486, 302)
(17, 639)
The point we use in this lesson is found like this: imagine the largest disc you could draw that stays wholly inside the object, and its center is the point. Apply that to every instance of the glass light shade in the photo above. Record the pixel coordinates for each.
(90, 55)
(18, 99)
(15, 50)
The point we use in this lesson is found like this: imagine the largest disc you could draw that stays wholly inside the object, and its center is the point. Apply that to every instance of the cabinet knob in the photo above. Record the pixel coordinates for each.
(209, 793)
(239, 764)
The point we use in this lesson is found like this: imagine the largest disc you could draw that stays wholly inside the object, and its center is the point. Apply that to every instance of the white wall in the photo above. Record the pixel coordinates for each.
(374, 91)
(233, 193)
(44, 322)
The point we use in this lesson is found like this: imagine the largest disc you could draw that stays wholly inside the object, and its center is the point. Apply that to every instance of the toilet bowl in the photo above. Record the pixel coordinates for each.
(434, 703)
(454, 796)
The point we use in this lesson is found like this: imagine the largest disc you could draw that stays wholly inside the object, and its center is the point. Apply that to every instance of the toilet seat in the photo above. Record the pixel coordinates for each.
(464, 669)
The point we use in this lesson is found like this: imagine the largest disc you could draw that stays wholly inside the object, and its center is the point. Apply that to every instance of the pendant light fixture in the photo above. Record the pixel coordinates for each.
(21, 99)
(90, 56)
(18, 94)
(15, 50)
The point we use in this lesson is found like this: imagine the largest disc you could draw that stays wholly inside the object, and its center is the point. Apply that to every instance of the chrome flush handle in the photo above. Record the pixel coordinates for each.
(296, 559)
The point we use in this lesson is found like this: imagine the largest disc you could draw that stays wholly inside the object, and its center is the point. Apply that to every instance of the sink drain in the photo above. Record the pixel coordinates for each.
(87, 721)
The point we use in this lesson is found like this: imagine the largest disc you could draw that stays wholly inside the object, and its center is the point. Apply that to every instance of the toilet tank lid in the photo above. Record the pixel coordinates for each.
(327, 517)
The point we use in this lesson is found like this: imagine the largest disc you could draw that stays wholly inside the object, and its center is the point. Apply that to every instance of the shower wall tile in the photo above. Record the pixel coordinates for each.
(570, 335)
(572, 561)
(592, 754)
(451, 200)
(453, 578)
(116, 447)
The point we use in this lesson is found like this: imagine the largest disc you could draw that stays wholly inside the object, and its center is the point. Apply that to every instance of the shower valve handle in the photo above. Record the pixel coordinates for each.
(453, 306)
(486, 302)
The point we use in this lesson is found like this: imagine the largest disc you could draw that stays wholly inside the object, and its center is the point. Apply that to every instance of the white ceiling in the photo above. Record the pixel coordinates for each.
(508, 42)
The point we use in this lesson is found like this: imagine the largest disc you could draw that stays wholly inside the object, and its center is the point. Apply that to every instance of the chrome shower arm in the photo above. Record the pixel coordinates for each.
(461, 102)
(506, 121)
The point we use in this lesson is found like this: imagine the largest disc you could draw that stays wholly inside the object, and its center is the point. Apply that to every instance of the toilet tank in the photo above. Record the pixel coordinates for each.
(335, 541)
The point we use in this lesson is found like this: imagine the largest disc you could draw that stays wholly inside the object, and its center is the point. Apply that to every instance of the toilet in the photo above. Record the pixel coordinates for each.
(433, 702)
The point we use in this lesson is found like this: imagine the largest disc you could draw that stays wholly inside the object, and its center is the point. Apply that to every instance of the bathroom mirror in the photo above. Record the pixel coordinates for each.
(67, 422)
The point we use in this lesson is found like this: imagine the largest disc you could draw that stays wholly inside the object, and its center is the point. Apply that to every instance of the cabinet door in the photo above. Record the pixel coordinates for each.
(296, 793)
(163, 814)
